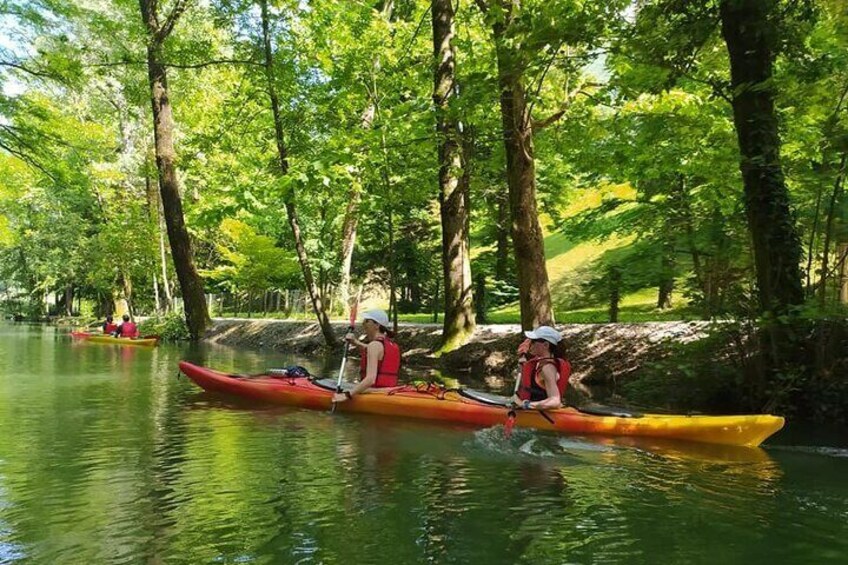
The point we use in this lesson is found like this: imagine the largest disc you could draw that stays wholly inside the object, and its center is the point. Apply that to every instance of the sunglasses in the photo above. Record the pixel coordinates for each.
(539, 340)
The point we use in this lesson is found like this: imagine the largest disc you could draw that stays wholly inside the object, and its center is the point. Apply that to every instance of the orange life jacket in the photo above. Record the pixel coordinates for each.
(387, 367)
(532, 385)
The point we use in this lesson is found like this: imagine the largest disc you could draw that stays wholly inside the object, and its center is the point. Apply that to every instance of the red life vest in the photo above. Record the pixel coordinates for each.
(532, 385)
(109, 328)
(128, 329)
(387, 367)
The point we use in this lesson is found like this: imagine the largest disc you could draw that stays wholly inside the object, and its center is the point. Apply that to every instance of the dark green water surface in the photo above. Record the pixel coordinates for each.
(106, 457)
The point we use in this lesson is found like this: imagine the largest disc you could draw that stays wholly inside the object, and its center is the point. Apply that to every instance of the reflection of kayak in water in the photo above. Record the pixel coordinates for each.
(101, 338)
(720, 453)
(433, 402)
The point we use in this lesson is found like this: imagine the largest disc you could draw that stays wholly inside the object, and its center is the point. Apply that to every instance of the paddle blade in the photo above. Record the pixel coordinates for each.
(355, 308)
(509, 424)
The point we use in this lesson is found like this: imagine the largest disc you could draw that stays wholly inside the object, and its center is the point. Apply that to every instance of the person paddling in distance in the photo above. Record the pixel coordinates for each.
(544, 370)
(127, 328)
(109, 326)
(380, 356)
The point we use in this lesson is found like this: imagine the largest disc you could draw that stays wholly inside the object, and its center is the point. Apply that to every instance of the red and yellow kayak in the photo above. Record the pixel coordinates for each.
(465, 406)
(103, 338)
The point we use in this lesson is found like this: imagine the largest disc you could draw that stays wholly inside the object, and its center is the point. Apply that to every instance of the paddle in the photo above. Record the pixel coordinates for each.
(345, 347)
(510, 416)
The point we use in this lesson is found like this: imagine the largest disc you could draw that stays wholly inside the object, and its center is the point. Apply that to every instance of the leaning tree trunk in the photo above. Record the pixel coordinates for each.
(191, 284)
(289, 199)
(349, 225)
(459, 321)
(749, 35)
(527, 240)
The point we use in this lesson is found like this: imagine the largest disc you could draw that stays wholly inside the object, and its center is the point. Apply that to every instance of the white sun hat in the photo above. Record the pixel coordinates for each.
(378, 316)
(545, 332)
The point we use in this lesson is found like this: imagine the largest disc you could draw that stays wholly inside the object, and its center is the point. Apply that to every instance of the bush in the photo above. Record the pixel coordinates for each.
(171, 327)
(728, 371)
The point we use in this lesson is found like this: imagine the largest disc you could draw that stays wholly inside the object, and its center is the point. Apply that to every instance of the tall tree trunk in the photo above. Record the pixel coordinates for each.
(502, 245)
(163, 261)
(527, 240)
(156, 298)
(811, 247)
(750, 35)
(843, 273)
(458, 322)
(128, 293)
(69, 300)
(614, 287)
(291, 210)
(191, 284)
(354, 197)
(154, 205)
(828, 230)
(666, 284)
(393, 309)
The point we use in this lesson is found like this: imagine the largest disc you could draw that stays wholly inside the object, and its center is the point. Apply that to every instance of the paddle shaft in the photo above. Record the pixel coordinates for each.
(346, 346)
(511, 415)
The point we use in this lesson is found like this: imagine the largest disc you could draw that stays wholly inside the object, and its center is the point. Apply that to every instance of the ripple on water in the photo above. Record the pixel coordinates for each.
(838, 452)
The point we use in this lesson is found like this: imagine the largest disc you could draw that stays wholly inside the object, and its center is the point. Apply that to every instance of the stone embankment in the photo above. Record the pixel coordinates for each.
(600, 354)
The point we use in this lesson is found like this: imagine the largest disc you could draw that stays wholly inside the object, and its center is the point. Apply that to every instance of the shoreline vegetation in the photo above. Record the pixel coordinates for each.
(693, 366)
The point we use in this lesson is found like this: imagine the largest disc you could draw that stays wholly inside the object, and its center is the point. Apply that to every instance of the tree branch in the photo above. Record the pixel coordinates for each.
(29, 160)
(25, 69)
(719, 88)
(541, 124)
(150, 15)
(538, 88)
(178, 65)
(165, 30)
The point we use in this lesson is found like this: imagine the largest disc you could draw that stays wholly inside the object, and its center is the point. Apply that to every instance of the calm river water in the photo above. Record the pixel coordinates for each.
(107, 457)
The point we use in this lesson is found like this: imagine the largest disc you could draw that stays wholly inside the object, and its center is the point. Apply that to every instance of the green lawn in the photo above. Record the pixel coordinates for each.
(567, 263)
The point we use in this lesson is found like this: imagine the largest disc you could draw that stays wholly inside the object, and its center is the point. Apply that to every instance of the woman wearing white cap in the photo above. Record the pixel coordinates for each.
(544, 370)
(379, 356)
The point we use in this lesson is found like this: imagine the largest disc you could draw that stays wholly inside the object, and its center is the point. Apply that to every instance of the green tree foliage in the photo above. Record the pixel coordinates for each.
(633, 141)
(251, 262)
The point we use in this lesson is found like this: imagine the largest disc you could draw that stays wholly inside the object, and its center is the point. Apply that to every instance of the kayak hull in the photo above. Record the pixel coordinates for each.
(436, 403)
(102, 338)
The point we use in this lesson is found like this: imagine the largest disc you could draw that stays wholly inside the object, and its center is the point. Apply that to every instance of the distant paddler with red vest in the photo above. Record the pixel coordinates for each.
(544, 370)
(109, 326)
(380, 356)
(127, 328)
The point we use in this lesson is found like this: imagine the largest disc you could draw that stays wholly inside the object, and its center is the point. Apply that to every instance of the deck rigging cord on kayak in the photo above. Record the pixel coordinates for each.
(435, 390)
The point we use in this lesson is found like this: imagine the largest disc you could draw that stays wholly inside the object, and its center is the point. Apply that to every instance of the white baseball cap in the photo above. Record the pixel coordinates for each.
(378, 316)
(545, 332)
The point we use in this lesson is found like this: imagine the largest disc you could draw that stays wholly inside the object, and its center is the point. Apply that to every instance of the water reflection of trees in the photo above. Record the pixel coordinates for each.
(114, 459)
